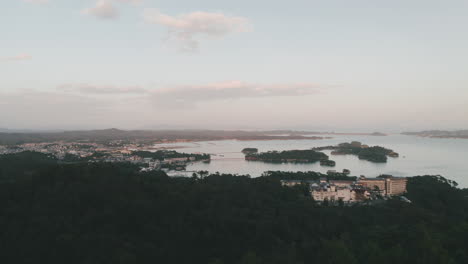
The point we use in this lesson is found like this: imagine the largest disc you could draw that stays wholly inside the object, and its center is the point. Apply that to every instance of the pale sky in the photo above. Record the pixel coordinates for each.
(347, 65)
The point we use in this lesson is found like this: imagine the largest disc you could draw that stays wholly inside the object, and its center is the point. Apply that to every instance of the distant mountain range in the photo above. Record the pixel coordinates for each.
(439, 134)
(112, 134)
(12, 137)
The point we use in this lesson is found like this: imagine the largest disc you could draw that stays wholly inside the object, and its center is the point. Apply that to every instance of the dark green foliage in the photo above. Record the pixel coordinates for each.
(249, 150)
(307, 155)
(111, 213)
(307, 176)
(74, 158)
(373, 154)
(162, 154)
(329, 163)
(23, 164)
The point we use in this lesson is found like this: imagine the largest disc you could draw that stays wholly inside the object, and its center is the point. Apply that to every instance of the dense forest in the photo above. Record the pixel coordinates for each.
(111, 213)
(249, 150)
(306, 155)
(167, 154)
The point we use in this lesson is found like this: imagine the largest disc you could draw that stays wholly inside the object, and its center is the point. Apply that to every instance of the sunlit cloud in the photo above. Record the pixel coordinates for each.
(187, 29)
(103, 9)
(37, 1)
(58, 109)
(135, 2)
(20, 57)
(101, 89)
(192, 95)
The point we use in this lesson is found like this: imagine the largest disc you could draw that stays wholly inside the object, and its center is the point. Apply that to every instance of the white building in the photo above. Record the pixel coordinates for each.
(332, 193)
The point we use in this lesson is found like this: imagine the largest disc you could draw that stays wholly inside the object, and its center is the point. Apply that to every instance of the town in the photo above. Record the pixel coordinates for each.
(349, 191)
(146, 156)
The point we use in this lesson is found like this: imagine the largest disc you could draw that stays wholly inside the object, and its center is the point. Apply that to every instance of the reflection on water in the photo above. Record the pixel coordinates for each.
(418, 156)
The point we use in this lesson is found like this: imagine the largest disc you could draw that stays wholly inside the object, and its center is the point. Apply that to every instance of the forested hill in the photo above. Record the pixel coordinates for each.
(110, 213)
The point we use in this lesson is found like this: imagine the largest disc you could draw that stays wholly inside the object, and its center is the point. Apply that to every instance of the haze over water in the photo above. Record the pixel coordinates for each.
(418, 156)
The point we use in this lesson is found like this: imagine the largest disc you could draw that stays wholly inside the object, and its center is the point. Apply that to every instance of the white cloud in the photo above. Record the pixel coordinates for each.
(186, 29)
(231, 90)
(101, 89)
(20, 57)
(103, 9)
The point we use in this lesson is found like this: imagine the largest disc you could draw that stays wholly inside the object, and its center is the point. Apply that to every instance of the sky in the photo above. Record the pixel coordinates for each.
(328, 65)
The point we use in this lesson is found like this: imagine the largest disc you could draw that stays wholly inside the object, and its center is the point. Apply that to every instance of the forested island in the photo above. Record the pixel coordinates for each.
(370, 153)
(328, 163)
(298, 156)
(250, 150)
(113, 213)
(170, 154)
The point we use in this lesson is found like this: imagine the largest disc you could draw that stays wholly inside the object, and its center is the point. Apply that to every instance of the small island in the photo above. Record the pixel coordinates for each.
(294, 156)
(376, 154)
(328, 163)
(250, 150)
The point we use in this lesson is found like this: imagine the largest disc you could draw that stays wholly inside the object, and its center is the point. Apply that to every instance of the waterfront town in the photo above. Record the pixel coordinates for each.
(146, 156)
(342, 189)
(349, 191)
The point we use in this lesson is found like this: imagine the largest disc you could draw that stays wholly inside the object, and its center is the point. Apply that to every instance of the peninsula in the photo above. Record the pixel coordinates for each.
(463, 134)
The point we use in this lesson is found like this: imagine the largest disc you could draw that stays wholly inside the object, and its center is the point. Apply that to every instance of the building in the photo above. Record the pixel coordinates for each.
(350, 191)
(291, 183)
(386, 184)
(373, 183)
(324, 191)
(396, 186)
(175, 160)
(341, 183)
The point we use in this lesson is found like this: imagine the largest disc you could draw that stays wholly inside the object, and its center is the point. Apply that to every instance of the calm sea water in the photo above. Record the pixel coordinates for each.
(418, 156)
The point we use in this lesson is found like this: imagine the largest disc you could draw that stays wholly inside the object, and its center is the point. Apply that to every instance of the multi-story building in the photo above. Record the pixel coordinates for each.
(350, 191)
(373, 183)
(341, 183)
(387, 185)
(330, 192)
(396, 186)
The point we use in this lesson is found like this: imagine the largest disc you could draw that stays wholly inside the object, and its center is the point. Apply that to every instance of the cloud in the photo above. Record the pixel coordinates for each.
(101, 89)
(50, 109)
(190, 96)
(37, 1)
(187, 96)
(103, 9)
(20, 57)
(135, 2)
(186, 29)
